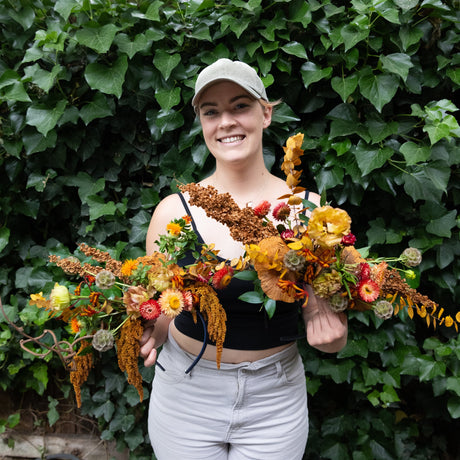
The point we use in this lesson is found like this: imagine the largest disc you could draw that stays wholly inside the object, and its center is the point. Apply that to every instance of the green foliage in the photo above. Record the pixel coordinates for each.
(96, 126)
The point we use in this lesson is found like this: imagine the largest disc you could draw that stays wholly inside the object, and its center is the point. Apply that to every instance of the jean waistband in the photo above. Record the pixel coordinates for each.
(185, 358)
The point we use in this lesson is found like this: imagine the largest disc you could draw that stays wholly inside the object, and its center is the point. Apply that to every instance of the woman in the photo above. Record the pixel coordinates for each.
(255, 405)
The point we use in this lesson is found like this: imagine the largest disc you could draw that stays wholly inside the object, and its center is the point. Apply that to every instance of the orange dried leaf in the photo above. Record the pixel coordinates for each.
(410, 312)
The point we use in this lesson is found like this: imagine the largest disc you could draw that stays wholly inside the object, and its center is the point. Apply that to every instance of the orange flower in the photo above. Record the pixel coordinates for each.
(327, 225)
(75, 325)
(173, 228)
(128, 267)
(268, 262)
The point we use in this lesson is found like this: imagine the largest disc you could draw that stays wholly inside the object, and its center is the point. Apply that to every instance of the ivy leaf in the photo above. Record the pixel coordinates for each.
(370, 157)
(339, 371)
(134, 438)
(353, 34)
(99, 207)
(25, 16)
(397, 63)
(4, 237)
(43, 118)
(65, 7)
(166, 62)
(42, 78)
(125, 45)
(16, 92)
(443, 225)
(453, 406)
(99, 107)
(168, 98)
(105, 410)
(344, 86)
(108, 79)
(312, 73)
(86, 185)
(415, 153)
(296, 49)
(98, 38)
(53, 413)
(378, 89)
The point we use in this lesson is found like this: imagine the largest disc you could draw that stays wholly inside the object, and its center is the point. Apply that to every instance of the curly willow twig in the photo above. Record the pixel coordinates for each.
(63, 348)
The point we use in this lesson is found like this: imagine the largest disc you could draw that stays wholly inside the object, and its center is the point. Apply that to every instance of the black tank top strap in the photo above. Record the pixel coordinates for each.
(187, 210)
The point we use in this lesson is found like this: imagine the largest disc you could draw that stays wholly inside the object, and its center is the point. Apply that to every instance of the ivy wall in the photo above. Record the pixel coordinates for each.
(96, 126)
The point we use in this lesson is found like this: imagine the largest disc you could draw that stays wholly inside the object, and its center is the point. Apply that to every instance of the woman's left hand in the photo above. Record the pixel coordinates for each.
(327, 331)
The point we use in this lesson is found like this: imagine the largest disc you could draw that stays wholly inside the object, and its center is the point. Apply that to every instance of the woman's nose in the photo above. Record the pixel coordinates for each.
(226, 120)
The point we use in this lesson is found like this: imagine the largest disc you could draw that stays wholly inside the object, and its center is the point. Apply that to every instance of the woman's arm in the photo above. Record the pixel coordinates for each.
(156, 333)
(327, 331)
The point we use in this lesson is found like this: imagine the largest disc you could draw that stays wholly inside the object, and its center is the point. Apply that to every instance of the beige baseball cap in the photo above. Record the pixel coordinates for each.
(226, 70)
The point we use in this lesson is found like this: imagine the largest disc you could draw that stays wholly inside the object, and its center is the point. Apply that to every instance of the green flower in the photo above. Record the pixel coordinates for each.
(383, 309)
(103, 340)
(411, 257)
(59, 297)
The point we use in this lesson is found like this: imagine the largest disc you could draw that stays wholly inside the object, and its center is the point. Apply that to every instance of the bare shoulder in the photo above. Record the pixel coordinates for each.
(167, 209)
(314, 198)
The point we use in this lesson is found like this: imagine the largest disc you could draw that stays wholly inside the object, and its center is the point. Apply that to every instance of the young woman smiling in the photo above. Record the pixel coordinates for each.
(255, 405)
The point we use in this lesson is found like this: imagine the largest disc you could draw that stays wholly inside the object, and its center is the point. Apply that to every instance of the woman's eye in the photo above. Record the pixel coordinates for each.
(209, 113)
(241, 106)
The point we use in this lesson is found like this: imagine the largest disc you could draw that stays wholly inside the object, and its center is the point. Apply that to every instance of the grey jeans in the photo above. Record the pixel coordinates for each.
(252, 410)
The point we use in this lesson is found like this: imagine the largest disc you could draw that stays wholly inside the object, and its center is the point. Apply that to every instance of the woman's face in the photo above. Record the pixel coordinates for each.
(232, 122)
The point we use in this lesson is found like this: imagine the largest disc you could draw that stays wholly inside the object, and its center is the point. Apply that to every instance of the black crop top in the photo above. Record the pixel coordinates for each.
(248, 325)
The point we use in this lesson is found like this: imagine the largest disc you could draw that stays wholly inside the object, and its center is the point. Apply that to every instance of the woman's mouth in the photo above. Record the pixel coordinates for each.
(231, 139)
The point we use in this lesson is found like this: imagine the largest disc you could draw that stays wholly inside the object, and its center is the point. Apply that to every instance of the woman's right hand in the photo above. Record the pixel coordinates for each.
(155, 334)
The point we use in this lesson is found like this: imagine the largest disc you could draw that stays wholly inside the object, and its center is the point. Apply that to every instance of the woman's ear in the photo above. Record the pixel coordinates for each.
(268, 110)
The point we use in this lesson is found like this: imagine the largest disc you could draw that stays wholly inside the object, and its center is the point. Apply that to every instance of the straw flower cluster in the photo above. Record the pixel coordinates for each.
(107, 302)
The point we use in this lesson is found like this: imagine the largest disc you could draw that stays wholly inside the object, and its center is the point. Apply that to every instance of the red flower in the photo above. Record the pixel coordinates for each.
(261, 210)
(348, 240)
(222, 277)
(281, 212)
(368, 290)
(150, 309)
(364, 271)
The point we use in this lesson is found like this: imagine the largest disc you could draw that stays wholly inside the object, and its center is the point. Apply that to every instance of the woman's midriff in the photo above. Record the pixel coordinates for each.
(229, 355)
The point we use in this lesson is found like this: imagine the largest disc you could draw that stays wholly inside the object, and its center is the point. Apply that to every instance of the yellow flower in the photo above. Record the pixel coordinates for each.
(171, 302)
(39, 300)
(128, 267)
(173, 228)
(59, 297)
(327, 225)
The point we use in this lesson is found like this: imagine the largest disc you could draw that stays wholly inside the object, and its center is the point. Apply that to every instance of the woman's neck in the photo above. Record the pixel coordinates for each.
(247, 187)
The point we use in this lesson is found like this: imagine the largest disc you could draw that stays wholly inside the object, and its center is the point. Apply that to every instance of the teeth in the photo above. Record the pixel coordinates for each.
(227, 140)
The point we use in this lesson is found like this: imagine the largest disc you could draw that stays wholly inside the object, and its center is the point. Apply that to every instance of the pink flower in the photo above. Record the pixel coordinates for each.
(281, 212)
(287, 234)
(348, 240)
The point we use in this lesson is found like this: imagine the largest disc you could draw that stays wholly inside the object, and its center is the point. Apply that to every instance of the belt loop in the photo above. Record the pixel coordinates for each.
(279, 369)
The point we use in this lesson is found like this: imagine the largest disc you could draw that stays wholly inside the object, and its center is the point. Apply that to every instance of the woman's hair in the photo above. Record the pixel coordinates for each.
(270, 103)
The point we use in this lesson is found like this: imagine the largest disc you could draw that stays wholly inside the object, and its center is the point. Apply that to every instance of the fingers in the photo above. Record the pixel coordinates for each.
(151, 358)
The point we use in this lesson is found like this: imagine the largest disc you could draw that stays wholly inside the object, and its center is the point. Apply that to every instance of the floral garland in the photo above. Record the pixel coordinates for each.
(107, 302)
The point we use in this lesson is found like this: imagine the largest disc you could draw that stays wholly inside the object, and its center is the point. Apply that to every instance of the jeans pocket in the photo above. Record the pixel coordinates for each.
(293, 371)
